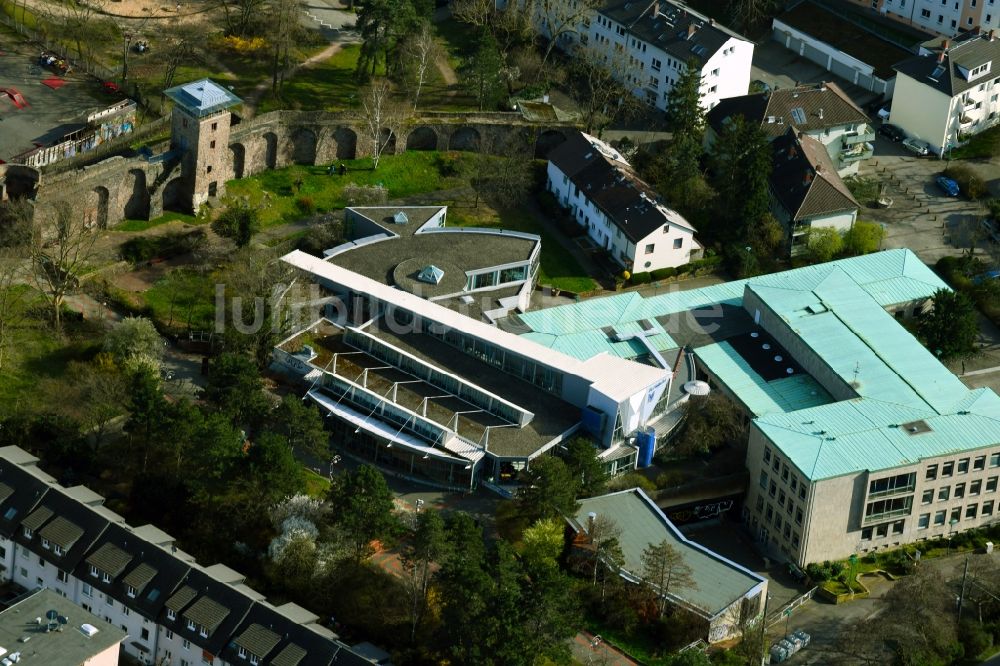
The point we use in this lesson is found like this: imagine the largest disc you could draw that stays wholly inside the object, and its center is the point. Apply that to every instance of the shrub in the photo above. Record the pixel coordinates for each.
(243, 45)
(683, 269)
(971, 185)
(664, 273)
(448, 164)
(641, 278)
(306, 205)
(669, 478)
(974, 638)
(631, 480)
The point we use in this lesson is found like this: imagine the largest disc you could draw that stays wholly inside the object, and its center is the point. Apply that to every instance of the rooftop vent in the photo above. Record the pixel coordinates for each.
(88, 630)
(916, 427)
(400, 218)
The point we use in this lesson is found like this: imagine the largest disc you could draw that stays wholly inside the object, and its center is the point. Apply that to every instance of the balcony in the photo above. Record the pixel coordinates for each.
(965, 121)
(879, 517)
(858, 151)
(865, 135)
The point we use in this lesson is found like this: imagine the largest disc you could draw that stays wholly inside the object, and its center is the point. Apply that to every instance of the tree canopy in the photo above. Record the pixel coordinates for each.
(951, 328)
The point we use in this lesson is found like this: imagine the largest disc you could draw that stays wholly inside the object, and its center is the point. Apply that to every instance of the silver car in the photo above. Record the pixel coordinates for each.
(917, 147)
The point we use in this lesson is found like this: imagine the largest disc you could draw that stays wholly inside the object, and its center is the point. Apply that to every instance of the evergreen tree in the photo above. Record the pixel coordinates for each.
(951, 328)
(581, 458)
(686, 119)
(481, 74)
(301, 424)
(235, 388)
(548, 490)
(741, 163)
(363, 508)
(427, 546)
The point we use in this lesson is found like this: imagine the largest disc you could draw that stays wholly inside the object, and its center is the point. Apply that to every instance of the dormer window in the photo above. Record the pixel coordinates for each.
(202, 631)
(27, 532)
(254, 659)
(191, 625)
(130, 591)
(105, 578)
(242, 653)
(57, 549)
(979, 71)
(93, 571)
(45, 544)
(171, 615)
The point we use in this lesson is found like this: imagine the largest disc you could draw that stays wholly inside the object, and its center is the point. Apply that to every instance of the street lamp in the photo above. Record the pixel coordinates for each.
(127, 39)
(746, 261)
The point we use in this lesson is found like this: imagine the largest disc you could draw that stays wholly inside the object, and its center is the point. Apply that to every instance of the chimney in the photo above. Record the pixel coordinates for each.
(591, 519)
(819, 168)
(941, 57)
(654, 11)
(807, 179)
(711, 21)
(820, 114)
(692, 28)
(992, 34)
(945, 45)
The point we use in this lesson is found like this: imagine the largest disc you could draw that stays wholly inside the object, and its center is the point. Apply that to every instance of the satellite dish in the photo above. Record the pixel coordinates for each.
(51, 614)
(63, 619)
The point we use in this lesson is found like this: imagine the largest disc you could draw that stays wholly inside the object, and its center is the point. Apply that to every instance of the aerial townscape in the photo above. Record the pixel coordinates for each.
(499, 332)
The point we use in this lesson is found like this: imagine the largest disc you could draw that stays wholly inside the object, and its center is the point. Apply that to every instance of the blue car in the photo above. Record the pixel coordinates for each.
(949, 186)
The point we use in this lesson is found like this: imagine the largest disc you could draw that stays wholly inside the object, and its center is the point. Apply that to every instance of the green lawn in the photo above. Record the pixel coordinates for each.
(404, 175)
(328, 85)
(459, 39)
(559, 268)
(182, 300)
(317, 486)
(143, 225)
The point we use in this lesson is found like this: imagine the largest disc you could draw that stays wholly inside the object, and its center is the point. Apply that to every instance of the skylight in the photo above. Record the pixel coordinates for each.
(799, 115)
(938, 71)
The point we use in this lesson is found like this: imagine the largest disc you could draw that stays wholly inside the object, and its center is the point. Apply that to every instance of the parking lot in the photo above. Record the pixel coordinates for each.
(48, 114)
(780, 68)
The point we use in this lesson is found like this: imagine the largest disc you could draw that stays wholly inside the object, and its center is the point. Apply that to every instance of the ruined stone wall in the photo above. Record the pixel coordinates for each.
(121, 188)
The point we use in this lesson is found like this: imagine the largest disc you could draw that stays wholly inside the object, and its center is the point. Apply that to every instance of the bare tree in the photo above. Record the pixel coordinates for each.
(478, 13)
(240, 14)
(865, 640)
(62, 246)
(81, 23)
(596, 77)
(381, 117)
(422, 52)
(604, 535)
(558, 20)
(500, 176)
(663, 571)
(283, 30)
(748, 14)
(748, 619)
(179, 46)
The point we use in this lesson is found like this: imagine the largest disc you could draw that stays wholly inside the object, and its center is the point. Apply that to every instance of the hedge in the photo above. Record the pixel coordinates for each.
(169, 245)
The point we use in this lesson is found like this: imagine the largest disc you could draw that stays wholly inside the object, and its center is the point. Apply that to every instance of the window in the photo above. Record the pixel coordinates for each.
(242, 653)
(798, 516)
(57, 549)
(773, 489)
(211, 144)
(678, 243)
(656, 64)
(887, 508)
(971, 511)
(62, 576)
(795, 483)
(975, 487)
(125, 610)
(45, 544)
(959, 490)
(712, 89)
(777, 464)
(88, 590)
(892, 485)
(882, 530)
(186, 644)
(171, 615)
(254, 660)
(109, 601)
(767, 454)
(924, 521)
(769, 514)
(93, 571)
(763, 480)
(931, 474)
(928, 496)
(925, 13)
(784, 473)
(170, 634)
(948, 469)
(897, 527)
(144, 634)
(963, 466)
(944, 493)
(760, 504)
(203, 632)
(130, 591)
(956, 515)
(987, 508)
(995, 460)
(649, 248)
(106, 578)
(191, 625)
(991, 484)
(27, 532)
(781, 498)
(208, 169)
(866, 534)
(215, 126)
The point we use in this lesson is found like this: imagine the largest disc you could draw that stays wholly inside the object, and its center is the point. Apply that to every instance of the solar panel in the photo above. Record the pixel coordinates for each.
(799, 115)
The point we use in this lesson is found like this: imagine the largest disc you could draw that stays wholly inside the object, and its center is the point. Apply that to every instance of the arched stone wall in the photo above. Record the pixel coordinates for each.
(422, 138)
(465, 138)
(99, 213)
(238, 155)
(175, 196)
(270, 150)
(137, 205)
(347, 143)
(546, 141)
(301, 146)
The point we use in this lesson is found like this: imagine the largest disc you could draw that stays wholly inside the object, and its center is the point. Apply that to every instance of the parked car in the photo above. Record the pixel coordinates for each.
(949, 186)
(883, 112)
(795, 572)
(891, 132)
(917, 147)
(993, 233)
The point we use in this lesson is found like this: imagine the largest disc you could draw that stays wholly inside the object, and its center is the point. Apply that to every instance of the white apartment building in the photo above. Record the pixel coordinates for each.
(173, 611)
(620, 212)
(947, 17)
(658, 38)
(822, 111)
(949, 91)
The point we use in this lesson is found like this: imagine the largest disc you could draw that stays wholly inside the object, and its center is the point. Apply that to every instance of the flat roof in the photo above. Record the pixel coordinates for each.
(758, 395)
(68, 645)
(719, 583)
(642, 376)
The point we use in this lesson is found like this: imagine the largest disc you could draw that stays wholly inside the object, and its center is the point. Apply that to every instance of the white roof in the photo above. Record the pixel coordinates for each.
(615, 377)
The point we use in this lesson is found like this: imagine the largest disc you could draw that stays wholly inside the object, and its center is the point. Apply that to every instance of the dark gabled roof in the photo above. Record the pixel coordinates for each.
(75, 525)
(290, 655)
(800, 107)
(218, 607)
(61, 532)
(960, 55)
(804, 180)
(109, 559)
(298, 643)
(257, 640)
(28, 491)
(673, 27)
(613, 186)
(140, 576)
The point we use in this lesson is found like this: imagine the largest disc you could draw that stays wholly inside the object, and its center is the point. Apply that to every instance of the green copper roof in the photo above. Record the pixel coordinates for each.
(719, 582)
(757, 395)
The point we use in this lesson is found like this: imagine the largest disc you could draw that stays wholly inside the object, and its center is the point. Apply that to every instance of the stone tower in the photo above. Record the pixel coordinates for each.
(199, 128)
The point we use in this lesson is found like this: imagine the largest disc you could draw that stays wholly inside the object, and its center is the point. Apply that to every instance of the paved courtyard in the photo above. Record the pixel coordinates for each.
(49, 114)
(780, 68)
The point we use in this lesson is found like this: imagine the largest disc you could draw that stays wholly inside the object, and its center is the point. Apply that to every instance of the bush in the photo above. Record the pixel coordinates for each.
(448, 164)
(974, 637)
(631, 480)
(145, 248)
(683, 269)
(306, 205)
(669, 478)
(641, 278)
(664, 273)
(971, 185)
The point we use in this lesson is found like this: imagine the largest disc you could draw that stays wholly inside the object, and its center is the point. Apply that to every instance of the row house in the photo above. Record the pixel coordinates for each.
(174, 611)
(619, 211)
(944, 17)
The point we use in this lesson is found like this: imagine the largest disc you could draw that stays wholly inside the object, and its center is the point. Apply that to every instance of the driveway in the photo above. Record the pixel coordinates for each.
(780, 68)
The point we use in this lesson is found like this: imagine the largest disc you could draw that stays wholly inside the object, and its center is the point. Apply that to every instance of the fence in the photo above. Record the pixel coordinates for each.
(789, 607)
